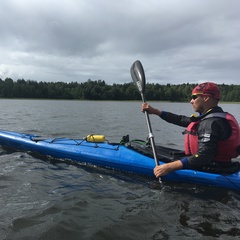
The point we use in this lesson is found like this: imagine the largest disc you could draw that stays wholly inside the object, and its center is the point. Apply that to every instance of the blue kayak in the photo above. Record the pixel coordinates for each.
(111, 155)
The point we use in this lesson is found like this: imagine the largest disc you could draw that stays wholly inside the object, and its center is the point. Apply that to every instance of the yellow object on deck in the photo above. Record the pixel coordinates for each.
(95, 138)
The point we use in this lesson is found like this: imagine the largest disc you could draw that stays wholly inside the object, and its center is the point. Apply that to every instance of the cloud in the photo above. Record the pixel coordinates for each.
(76, 40)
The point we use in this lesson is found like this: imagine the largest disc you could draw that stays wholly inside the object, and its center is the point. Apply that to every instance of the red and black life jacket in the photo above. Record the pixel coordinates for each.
(226, 149)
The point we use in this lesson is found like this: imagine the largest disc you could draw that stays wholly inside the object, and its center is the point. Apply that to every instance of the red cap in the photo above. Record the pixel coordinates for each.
(208, 88)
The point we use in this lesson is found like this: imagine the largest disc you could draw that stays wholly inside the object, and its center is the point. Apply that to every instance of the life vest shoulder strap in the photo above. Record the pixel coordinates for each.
(216, 114)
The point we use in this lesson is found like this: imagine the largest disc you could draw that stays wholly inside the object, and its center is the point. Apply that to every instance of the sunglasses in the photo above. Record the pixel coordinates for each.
(195, 96)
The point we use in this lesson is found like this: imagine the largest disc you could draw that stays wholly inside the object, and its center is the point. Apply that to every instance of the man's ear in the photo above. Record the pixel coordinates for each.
(206, 98)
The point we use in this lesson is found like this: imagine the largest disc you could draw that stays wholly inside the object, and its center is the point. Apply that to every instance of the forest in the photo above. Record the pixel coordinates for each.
(100, 90)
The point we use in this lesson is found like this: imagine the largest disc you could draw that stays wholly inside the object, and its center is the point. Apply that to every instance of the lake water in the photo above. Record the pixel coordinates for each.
(49, 200)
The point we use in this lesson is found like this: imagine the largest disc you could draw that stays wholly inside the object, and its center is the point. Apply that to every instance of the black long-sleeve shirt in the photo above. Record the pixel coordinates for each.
(209, 132)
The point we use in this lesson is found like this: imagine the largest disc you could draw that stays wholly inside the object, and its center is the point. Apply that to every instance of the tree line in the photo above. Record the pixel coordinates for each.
(99, 90)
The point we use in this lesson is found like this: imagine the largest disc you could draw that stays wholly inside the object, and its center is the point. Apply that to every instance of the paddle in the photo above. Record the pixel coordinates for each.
(138, 77)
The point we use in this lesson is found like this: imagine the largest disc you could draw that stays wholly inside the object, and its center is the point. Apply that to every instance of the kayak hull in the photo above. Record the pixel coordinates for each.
(108, 155)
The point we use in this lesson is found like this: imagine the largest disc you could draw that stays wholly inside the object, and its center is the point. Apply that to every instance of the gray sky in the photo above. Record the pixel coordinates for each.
(177, 41)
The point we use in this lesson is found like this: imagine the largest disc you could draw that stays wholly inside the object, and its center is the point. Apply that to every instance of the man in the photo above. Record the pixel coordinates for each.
(212, 138)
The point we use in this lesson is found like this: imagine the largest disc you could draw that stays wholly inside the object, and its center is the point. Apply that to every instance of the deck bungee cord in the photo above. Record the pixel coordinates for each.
(92, 138)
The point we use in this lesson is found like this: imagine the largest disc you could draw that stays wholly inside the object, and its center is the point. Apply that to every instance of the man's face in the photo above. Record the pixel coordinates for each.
(198, 103)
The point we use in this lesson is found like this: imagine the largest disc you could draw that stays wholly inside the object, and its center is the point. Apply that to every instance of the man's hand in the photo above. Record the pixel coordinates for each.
(148, 108)
(166, 168)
